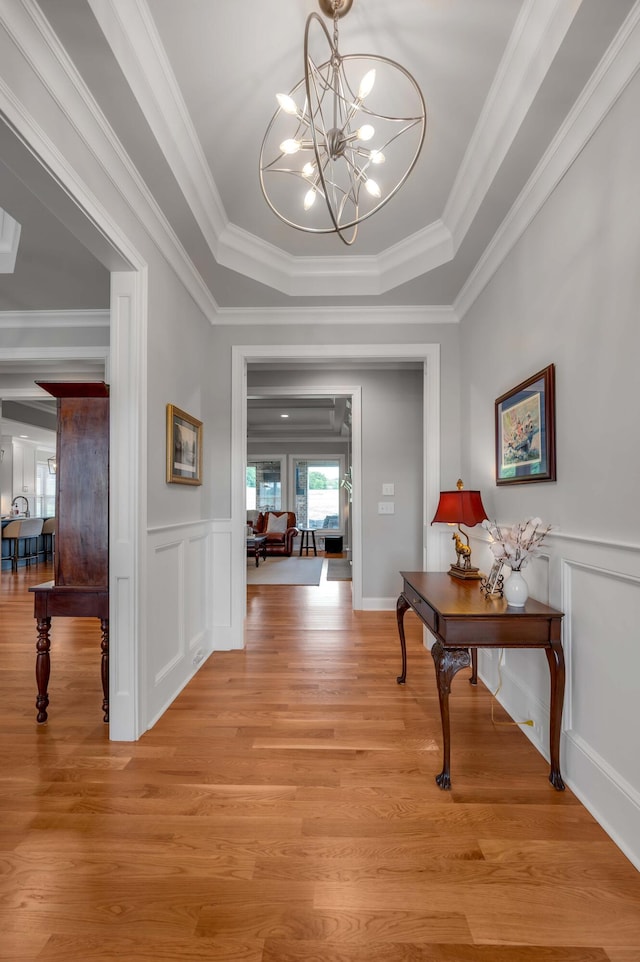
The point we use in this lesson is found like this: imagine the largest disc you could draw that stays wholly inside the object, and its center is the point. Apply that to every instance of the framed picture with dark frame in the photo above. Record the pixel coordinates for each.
(525, 431)
(184, 447)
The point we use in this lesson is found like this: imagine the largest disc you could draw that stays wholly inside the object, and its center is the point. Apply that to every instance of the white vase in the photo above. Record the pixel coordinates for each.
(516, 590)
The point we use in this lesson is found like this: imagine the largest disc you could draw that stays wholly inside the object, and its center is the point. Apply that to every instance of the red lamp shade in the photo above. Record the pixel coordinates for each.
(460, 507)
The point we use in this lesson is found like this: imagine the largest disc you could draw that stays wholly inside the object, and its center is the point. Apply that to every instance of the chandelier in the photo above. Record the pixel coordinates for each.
(344, 140)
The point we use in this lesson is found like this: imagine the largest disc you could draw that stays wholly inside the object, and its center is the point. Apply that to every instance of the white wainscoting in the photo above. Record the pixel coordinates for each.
(189, 610)
(597, 585)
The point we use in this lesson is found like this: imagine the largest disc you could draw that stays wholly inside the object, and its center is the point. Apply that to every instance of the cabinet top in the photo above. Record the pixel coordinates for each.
(75, 388)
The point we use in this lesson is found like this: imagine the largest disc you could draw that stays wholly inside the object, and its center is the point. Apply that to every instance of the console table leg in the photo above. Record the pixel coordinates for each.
(474, 667)
(43, 667)
(448, 662)
(555, 657)
(104, 667)
(402, 605)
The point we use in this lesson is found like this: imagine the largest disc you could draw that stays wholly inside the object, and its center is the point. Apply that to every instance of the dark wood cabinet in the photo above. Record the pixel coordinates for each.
(81, 566)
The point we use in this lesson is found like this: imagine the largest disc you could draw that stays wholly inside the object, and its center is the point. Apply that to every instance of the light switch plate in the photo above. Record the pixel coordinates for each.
(388, 489)
(386, 507)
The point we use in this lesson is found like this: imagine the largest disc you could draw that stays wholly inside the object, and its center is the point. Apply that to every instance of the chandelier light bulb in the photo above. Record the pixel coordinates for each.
(376, 157)
(309, 198)
(290, 146)
(366, 84)
(365, 132)
(287, 103)
(373, 188)
(308, 169)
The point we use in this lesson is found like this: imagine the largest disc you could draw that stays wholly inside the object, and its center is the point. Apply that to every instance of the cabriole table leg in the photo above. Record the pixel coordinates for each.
(402, 605)
(555, 657)
(448, 662)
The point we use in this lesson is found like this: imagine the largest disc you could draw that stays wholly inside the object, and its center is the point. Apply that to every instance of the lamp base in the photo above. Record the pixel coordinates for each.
(466, 574)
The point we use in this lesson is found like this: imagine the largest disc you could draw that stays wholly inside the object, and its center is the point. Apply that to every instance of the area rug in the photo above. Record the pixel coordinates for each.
(339, 569)
(285, 571)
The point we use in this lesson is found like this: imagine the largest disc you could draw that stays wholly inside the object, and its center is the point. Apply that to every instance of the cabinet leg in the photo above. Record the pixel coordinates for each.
(43, 667)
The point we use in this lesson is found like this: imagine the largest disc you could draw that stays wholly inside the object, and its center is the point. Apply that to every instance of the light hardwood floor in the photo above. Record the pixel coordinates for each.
(285, 810)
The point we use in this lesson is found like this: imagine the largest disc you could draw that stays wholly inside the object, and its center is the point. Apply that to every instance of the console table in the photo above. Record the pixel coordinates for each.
(463, 620)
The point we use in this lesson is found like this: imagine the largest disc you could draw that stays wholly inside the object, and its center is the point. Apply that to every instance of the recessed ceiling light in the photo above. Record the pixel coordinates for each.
(24, 435)
(284, 415)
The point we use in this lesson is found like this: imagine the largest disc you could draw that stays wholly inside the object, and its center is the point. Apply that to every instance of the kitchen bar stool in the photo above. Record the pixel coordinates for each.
(25, 533)
(48, 537)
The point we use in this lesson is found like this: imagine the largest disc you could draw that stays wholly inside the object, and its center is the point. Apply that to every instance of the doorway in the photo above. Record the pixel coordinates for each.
(426, 354)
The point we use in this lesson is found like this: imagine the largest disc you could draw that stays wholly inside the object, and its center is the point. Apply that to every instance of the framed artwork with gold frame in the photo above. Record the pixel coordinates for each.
(184, 447)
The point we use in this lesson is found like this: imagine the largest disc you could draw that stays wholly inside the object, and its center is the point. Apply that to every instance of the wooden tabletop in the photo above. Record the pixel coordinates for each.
(452, 597)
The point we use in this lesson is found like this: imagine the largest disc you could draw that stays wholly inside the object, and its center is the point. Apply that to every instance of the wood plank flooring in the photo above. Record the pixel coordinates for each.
(285, 809)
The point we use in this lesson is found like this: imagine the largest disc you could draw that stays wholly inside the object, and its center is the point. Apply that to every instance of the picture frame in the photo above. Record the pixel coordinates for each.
(494, 582)
(525, 431)
(184, 447)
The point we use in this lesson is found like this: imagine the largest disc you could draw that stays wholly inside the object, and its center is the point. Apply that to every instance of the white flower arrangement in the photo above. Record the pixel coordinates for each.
(515, 545)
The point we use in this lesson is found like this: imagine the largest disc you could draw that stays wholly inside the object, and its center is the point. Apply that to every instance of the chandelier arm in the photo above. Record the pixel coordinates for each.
(307, 80)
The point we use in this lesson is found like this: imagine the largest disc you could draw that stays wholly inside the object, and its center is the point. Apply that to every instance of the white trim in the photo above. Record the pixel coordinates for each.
(134, 39)
(44, 354)
(536, 37)
(29, 29)
(389, 316)
(100, 353)
(127, 504)
(125, 359)
(613, 802)
(428, 354)
(593, 541)
(614, 72)
(10, 231)
(57, 319)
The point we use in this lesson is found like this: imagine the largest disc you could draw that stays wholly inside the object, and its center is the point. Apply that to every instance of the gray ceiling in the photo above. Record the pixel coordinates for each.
(193, 91)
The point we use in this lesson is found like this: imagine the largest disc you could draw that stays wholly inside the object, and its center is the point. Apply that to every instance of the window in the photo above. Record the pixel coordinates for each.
(264, 485)
(318, 493)
(45, 506)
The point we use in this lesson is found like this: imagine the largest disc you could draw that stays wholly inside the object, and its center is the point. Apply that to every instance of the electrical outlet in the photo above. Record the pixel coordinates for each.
(386, 507)
(388, 489)
(534, 726)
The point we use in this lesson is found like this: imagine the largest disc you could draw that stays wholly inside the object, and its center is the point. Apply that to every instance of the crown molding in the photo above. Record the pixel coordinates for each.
(9, 242)
(319, 316)
(32, 34)
(615, 71)
(56, 319)
(130, 30)
(535, 40)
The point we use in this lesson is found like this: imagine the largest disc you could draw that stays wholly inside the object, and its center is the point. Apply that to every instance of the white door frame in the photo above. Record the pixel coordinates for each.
(242, 355)
(126, 372)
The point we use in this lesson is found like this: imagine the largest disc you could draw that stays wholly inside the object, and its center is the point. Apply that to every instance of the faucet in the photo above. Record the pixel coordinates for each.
(21, 497)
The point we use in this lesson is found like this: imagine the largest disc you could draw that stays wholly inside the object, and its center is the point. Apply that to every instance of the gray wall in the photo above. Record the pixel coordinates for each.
(568, 293)
(391, 452)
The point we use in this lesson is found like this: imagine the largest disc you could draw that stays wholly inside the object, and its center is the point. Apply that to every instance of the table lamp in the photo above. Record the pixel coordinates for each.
(461, 507)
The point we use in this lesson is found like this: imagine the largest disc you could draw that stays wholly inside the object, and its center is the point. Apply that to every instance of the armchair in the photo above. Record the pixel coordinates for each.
(280, 530)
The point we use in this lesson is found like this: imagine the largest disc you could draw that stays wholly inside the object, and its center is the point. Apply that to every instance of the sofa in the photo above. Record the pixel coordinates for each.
(279, 528)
